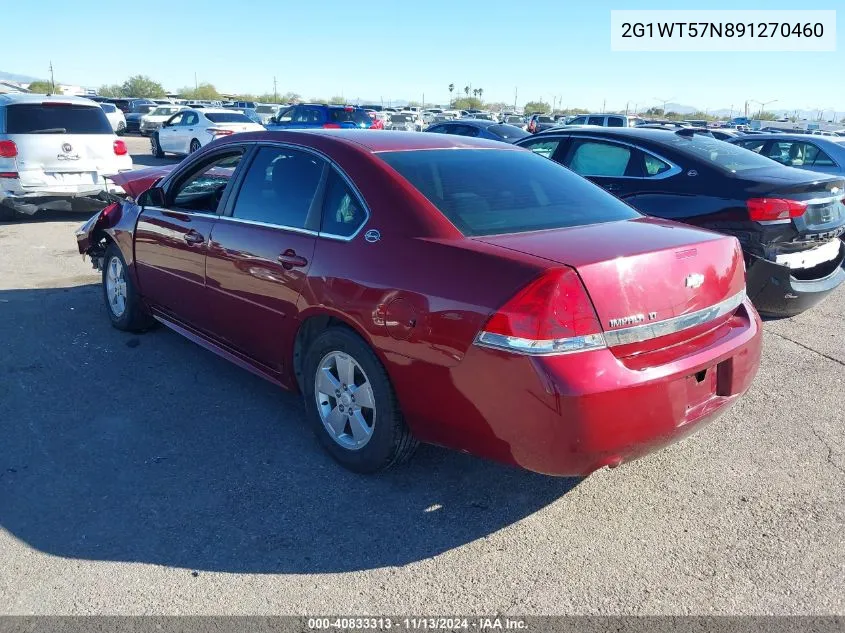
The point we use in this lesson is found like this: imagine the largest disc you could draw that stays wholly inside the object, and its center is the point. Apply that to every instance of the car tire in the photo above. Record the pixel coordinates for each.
(121, 128)
(385, 438)
(155, 146)
(195, 146)
(123, 303)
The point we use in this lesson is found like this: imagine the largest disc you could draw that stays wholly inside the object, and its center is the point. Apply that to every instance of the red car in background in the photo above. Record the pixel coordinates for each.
(424, 287)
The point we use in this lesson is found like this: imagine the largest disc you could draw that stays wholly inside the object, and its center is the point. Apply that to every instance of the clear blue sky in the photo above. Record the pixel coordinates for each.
(402, 50)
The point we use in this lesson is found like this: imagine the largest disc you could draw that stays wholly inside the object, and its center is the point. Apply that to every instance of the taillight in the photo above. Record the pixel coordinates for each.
(8, 174)
(220, 131)
(331, 125)
(377, 125)
(8, 149)
(551, 315)
(120, 148)
(767, 209)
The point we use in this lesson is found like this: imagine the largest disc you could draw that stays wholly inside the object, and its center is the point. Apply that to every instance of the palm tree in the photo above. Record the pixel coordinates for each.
(466, 90)
(480, 92)
(451, 89)
(475, 92)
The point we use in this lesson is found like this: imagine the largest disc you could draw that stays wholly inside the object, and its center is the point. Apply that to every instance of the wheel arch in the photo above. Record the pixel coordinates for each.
(311, 326)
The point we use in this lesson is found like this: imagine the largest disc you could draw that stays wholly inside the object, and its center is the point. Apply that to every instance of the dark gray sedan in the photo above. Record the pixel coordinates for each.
(804, 151)
(480, 128)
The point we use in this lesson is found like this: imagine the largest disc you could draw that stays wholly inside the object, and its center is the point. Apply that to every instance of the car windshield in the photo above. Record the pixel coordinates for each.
(718, 153)
(401, 118)
(509, 132)
(266, 109)
(56, 118)
(489, 192)
(227, 117)
(145, 108)
(165, 111)
(342, 115)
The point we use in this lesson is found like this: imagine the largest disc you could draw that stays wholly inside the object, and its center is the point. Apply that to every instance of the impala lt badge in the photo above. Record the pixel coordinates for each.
(694, 280)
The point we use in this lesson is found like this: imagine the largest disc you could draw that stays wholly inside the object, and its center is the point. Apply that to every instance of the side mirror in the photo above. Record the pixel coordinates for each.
(153, 197)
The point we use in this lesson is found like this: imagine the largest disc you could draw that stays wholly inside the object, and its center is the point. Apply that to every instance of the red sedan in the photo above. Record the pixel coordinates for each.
(423, 287)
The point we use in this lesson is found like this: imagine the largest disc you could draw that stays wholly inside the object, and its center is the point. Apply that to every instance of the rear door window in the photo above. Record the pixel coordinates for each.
(279, 188)
(579, 120)
(597, 158)
(615, 121)
(343, 213)
(545, 148)
(653, 166)
(58, 118)
(813, 156)
(595, 120)
(489, 192)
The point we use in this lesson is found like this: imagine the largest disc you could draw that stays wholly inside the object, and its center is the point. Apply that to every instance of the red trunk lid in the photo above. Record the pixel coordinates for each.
(645, 270)
(136, 182)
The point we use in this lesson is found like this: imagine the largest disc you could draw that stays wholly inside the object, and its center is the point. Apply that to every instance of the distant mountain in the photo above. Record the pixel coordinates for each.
(22, 79)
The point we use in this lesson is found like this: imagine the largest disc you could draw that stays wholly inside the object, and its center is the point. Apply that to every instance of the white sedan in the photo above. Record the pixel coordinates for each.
(185, 132)
(115, 117)
(153, 121)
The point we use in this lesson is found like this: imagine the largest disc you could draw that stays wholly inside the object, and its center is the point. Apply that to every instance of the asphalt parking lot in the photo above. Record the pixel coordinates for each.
(144, 475)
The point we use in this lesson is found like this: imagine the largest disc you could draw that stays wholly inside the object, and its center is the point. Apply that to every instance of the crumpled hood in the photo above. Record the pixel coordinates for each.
(137, 181)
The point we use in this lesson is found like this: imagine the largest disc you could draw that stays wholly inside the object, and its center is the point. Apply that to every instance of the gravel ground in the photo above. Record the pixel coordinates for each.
(143, 475)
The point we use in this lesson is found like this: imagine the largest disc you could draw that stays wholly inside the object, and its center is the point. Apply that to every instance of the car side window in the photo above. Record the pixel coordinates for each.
(176, 119)
(754, 146)
(545, 148)
(202, 190)
(343, 213)
(300, 115)
(579, 120)
(594, 158)
(595, 120)
(279, 188)
(438, 129)
(654, 166)
(815, 157)
(190, 118)
(615, 121)
(285, 116)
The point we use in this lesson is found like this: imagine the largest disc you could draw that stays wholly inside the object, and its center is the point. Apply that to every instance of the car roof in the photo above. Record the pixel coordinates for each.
(215, 110)
(374, 141)
(8, 99)
(485, 123)
(652, 134)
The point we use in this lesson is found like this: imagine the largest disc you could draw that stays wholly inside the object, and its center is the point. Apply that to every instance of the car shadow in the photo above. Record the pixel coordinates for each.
(45, 215)
(147, 448)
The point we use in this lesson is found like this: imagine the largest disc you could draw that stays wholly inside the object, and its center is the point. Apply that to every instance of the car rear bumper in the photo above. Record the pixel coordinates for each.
(83, 198)
(777, 292)
(570, 415)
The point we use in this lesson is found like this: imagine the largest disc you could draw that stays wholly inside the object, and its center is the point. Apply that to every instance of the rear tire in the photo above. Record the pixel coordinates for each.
(372, 435)
(121, 128)
(155, 146)
(123, 303)
(195, 146)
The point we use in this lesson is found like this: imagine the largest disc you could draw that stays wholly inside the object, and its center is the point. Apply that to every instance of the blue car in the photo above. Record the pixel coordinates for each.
(480, 128)
(320, 115)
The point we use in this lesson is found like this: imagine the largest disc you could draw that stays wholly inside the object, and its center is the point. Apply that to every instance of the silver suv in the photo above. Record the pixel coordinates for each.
(606, 120)
(56, 153)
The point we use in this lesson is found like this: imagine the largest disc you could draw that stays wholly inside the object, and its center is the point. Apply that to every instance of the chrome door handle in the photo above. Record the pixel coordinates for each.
(193, 237)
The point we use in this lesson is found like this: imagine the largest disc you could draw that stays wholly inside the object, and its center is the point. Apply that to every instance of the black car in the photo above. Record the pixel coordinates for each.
(786, 220)
(133, 117)
(540, 122)
(480, 128)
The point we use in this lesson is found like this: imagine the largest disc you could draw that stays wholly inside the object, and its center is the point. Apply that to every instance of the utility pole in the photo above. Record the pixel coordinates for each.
(196, 84)
(627, 103)
(275, 92)
(604, 106)
(52, 81)
(515, 93)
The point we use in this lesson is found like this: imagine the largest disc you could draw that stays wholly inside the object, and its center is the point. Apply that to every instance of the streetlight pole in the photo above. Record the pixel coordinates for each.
(763, 104)
(664, 102)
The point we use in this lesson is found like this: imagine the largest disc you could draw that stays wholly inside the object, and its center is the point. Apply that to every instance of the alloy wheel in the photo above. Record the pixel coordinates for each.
(345, 400)
(116, 287)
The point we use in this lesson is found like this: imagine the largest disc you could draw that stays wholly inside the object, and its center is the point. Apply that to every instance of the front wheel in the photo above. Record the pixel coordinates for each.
(155, 146)
(352, 405)
(122, 300)
(195, 146)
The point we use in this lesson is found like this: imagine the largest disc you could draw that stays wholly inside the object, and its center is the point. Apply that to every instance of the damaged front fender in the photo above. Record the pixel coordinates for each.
(115, 223)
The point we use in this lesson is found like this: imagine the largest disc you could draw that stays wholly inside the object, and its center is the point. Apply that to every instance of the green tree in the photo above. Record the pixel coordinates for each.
(337, 100)
(451, 90)
(203, 91)
(480, 92)
(113, 90)
(466, 90)
(43, 87)
(766, 116)
(291, 97)
(537, 106)
(143, 87)
(467, 103)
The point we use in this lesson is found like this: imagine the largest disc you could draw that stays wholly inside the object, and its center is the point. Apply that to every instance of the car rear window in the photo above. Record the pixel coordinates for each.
(108, 108)
(508, 131)
(341, 115)
(227, 117)
(720, 154)
(545, 119)
(490, 192)
(62, 118)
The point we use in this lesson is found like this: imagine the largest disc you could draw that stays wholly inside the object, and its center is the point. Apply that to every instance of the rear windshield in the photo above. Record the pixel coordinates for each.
(545, 119)
(510, 132)
(490, 192)
(227, 117)
(359, 117)
(37, 118)
(718, 153)
(108, 108)
(513, 119)
(266, 109)
(401, 118)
